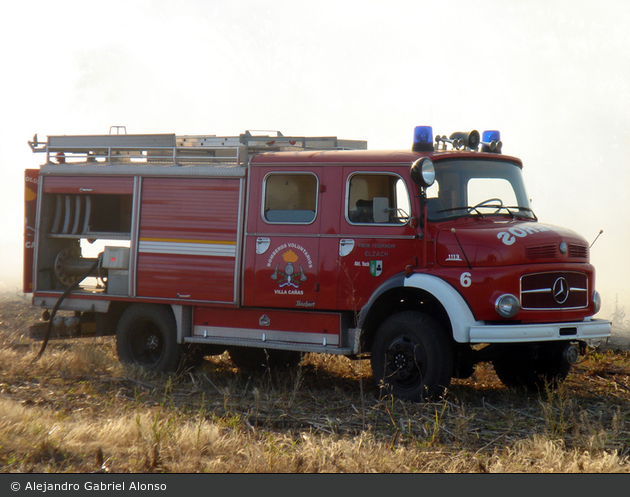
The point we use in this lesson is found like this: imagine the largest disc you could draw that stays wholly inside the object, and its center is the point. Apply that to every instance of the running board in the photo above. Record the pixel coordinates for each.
(265, 343)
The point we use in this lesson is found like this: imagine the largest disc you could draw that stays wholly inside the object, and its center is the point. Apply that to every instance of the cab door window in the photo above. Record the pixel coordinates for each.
(373, 198)
(290, 198)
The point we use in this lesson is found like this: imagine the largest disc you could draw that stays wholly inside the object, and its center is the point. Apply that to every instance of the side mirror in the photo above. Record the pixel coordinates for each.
(423, 172)
(381, 209)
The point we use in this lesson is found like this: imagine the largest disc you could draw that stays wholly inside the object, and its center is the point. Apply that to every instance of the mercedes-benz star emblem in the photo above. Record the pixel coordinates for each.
(561, 290)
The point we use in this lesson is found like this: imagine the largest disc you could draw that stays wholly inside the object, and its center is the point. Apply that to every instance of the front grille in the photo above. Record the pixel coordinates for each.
(580, 251)
(554, 290)
(550, 251)
(541, 251)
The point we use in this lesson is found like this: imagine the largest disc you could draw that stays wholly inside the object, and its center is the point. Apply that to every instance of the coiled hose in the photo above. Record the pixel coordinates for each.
(61, 299)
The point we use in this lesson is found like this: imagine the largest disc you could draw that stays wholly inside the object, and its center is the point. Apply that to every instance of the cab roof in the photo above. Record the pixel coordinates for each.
(370, 157)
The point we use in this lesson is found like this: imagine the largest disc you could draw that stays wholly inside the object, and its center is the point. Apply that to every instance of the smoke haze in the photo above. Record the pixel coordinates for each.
(552, 76)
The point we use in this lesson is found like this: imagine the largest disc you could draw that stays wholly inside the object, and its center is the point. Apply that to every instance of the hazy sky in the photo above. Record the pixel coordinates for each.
(553, 76)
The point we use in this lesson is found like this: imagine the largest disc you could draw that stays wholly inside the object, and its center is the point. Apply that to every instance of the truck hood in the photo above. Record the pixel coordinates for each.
(484, 243)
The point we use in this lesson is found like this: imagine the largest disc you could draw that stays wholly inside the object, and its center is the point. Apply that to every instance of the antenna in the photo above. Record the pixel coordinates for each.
(460, 246)
(598, 234)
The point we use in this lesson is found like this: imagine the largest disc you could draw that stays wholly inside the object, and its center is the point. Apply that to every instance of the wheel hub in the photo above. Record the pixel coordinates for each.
(402, 360)
(152, 342)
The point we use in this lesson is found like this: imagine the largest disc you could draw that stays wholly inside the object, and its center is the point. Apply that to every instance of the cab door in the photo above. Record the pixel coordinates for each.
(282, 240)
(377, 239)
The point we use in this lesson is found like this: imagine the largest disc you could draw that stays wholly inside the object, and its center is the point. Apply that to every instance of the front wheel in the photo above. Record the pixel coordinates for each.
(535, 367)
(147, 336)
(412, 357)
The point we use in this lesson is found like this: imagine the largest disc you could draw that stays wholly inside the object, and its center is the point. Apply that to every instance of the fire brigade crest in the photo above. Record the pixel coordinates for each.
(376, 268)
(288, 276)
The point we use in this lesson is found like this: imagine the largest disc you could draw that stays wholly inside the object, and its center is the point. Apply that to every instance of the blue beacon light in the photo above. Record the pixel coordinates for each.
(491, 141)
(490, 135)
(422, 139)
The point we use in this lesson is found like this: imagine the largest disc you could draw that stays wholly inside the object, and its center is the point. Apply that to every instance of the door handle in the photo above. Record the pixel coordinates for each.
(345, 246)
(262, 244)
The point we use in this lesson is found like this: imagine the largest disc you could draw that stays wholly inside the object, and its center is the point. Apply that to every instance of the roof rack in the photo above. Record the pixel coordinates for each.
(174, 150)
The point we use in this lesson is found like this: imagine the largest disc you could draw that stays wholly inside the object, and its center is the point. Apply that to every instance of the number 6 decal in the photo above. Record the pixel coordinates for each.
(465, 280)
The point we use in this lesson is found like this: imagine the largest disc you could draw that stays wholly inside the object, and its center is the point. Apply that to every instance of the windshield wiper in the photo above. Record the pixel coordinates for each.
(466, 208)
(499, 207)
(469, 210)
(524, 209)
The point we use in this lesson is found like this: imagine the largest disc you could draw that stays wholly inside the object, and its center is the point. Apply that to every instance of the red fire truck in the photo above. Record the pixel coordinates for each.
(427, 260)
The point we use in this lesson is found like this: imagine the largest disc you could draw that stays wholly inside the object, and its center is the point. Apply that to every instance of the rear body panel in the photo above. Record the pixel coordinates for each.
(188, 240)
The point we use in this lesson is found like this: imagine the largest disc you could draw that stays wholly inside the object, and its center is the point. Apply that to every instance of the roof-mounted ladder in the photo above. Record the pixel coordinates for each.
(173, 150)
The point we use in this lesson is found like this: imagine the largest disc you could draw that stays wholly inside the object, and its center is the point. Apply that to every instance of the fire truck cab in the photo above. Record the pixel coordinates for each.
(427, 260)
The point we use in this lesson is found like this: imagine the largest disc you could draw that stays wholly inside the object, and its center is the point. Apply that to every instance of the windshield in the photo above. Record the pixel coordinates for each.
(477, 188)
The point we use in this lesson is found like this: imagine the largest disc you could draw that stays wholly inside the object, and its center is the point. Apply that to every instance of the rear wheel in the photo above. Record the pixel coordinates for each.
(535, 367)
(147, 336)
(412, 357)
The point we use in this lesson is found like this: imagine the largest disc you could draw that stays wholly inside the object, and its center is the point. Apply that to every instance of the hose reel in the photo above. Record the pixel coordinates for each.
(70, 267)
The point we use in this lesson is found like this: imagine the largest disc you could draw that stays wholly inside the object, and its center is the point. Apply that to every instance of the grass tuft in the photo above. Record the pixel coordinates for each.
(77, 409)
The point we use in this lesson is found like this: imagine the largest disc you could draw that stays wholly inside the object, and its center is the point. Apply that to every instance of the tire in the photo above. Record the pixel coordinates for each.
(256, 359)
(147, 336)
(535, 367)
(463, 363)
(412, 357)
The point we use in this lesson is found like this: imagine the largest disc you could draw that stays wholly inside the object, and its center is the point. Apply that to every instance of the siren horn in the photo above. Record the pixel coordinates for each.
(491, 141)
(456, 143)
(470, 140)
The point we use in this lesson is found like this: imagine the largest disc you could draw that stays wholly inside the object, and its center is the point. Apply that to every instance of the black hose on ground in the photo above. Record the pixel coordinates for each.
(60, 300)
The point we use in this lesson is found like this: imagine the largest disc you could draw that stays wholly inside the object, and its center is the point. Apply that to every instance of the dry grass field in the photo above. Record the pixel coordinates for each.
(77, 410)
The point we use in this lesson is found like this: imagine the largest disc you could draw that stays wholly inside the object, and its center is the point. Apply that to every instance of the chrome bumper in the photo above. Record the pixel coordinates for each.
(584, 330)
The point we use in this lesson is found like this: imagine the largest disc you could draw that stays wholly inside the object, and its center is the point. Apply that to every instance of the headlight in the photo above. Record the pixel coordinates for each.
(423, 172)
(597, 301)
(507, 305)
